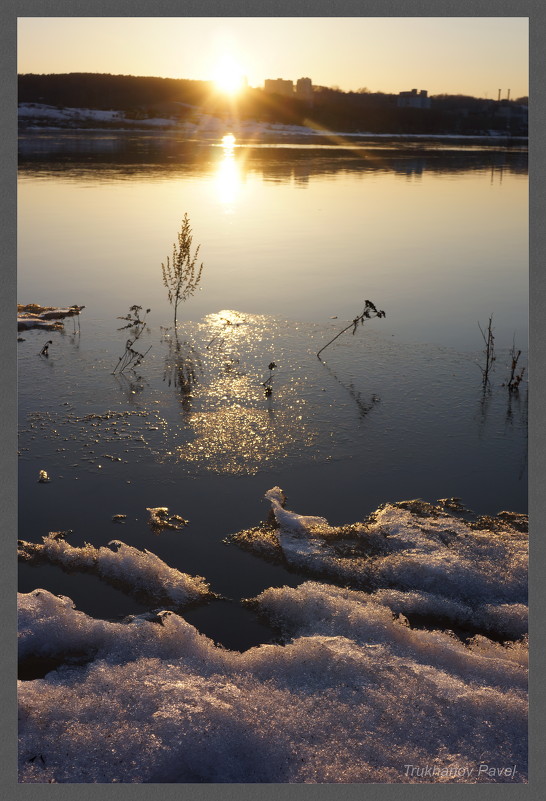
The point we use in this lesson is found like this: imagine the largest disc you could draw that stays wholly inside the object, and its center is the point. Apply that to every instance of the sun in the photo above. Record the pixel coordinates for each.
(229, 77)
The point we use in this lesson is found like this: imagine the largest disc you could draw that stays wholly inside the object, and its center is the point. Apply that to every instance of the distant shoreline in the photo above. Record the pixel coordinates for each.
(36, 119)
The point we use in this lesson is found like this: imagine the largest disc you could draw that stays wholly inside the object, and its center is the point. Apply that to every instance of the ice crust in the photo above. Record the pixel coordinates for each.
(140, 572)
(355, 694)
(25, 323)
(50, 626)
(472, 575)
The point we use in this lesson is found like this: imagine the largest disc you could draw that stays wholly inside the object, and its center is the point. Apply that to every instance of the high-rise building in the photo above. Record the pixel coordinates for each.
(413, 99)
(304, 88)
(279, 86)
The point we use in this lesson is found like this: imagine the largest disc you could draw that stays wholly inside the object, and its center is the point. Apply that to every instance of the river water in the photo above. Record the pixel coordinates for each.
(294, 238)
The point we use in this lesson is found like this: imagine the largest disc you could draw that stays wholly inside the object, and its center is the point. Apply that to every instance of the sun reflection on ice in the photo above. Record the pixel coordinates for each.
(235, 428)
(238, 439)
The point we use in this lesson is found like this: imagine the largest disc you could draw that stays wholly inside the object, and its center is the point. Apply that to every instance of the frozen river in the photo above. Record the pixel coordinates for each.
(293, 238)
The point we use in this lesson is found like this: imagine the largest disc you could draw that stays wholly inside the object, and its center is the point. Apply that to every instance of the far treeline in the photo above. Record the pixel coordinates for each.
(375, 112)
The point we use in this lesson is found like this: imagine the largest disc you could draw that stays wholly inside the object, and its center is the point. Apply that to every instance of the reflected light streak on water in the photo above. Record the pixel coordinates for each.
(228, 176)
(233, 427)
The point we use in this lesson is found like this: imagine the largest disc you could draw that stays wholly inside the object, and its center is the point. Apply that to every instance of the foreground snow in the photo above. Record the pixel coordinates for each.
(357, 693)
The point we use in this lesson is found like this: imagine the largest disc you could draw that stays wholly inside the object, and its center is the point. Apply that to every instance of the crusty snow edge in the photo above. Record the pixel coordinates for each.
(138, 572)
(430, 561)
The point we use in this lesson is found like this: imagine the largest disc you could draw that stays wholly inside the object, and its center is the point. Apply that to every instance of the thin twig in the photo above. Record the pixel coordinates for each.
(515, 380)
(367, 313)
(132, 357)
(489, 351)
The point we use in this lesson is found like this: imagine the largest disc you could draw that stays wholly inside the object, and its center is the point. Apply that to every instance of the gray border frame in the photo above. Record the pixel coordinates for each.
(536, 11)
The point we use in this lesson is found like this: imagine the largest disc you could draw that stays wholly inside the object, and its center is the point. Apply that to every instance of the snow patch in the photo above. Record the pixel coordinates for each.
(140, 572)
(474, 574)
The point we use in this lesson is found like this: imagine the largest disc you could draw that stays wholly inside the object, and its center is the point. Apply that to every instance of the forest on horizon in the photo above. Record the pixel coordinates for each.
(376, 112)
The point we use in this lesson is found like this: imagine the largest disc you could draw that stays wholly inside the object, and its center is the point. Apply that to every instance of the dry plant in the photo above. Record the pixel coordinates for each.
(489, 351)
(515, 378)
(181, 275)
(367, 313)
(267, 382)
(131, 358)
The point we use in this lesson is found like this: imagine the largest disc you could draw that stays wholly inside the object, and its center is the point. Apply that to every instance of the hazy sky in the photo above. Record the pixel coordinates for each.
(467, 55)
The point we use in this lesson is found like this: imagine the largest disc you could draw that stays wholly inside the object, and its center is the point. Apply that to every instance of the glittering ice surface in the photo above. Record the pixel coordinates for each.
(199, 403)
(358, 677)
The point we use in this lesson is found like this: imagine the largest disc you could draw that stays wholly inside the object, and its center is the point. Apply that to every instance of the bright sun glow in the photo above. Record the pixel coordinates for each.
(229, 77)
(228, 141)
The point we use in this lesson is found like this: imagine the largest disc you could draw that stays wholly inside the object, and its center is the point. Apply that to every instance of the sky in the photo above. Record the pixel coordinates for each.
(454, 55)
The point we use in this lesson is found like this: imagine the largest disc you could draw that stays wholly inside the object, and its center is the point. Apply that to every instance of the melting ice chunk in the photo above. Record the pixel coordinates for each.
(160, 519)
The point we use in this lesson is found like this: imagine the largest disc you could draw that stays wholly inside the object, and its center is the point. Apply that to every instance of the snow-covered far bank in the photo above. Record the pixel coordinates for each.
(36, 117)
(359, 691)
(62, 114)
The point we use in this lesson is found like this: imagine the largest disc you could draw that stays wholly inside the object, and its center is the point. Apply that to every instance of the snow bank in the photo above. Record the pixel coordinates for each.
(24, 322)
(201, 124)
(508, 621)
(314, 608)
(47, 312)
(60, 113)
(139, 572)
(356, 696)
(470, 573)
(50, 626)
